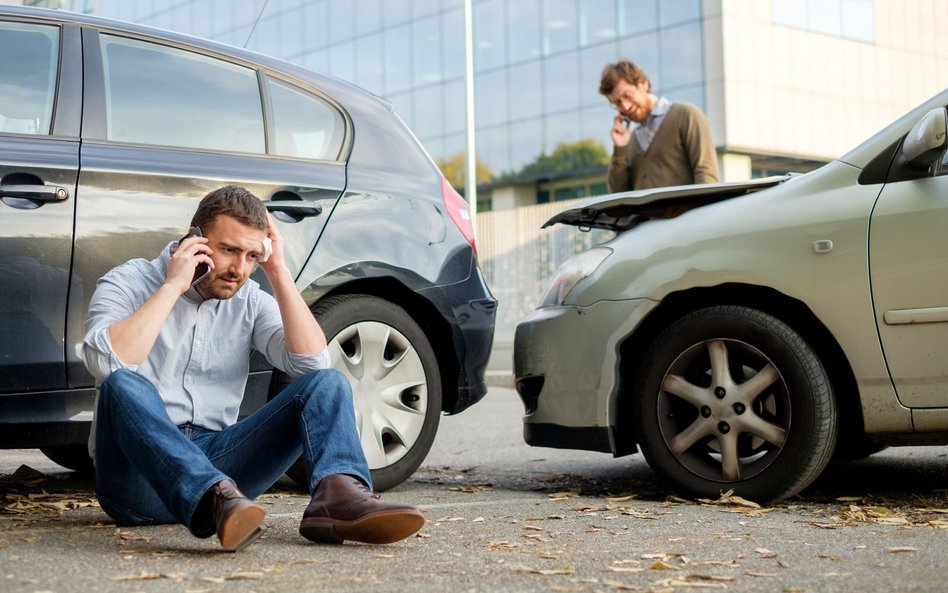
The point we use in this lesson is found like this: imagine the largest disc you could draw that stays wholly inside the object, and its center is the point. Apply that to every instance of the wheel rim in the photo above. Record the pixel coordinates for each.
(724, 410)
(389, 388)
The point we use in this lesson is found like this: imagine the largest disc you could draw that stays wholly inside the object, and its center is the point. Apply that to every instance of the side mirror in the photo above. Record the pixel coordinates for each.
(926, 138)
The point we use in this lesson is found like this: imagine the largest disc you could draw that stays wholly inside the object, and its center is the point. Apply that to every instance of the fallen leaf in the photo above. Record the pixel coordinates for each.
(765, 553)
(662, 565)
(901, 549)
(752, 573)
(150, 576)
(547, 572)
(244, 576)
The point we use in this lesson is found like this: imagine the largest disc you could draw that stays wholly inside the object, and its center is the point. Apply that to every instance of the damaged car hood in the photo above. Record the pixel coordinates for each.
(622, 211)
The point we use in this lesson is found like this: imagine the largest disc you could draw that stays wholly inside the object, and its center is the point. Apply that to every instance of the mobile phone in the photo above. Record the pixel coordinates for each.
(202, 269)
(626, 122)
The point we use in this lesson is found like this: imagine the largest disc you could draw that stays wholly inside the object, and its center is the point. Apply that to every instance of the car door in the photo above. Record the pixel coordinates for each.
(165, 124)
(40, 90)
(908, 248)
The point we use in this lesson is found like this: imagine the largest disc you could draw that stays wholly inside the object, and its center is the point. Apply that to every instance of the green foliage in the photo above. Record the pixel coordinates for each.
(453, 170)
(568, 156)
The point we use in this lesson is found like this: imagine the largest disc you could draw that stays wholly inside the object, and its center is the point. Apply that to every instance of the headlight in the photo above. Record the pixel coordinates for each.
(570, 273)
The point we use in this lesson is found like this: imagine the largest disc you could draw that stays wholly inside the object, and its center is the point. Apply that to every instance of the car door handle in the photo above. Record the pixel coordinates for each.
(36, 193)
(303, 209)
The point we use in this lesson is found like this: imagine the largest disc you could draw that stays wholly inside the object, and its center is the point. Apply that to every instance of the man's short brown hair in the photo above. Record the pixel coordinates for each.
(234, 201)
(621, 70)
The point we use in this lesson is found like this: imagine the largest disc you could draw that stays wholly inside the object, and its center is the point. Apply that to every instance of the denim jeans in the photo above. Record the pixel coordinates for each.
(149, 471)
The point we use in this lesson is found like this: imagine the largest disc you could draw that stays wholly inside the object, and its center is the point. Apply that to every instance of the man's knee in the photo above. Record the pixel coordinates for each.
(325, 382)
(122, 382)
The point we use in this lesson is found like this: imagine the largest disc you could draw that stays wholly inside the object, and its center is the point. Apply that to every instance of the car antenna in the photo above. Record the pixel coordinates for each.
(254, 27)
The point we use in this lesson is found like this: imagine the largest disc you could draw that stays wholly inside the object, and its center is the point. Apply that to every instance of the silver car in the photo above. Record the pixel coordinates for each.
(744, 334)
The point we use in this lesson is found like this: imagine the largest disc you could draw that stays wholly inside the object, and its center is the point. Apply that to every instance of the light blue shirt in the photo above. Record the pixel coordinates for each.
(201, 359)
(645, 131)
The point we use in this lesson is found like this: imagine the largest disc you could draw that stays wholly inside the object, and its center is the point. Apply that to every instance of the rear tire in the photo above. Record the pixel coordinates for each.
(74, 457)
(396, 383)
(733, 398)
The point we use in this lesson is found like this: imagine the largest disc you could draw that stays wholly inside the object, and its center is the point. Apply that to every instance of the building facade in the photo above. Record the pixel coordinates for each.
(787, 84)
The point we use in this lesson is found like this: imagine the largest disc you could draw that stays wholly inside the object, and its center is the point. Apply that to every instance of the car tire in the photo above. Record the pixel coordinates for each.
(74, 457)
(395, 380)
(732, 398)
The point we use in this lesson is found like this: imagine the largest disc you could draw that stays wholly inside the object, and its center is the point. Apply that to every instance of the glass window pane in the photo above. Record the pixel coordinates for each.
(490, 98)
(165, 96)
(597, 21)
(591, 62)
(397, 59)
(643, 50)
(27, 77)
(369, 63)
(304, 126)
(342, 17)
(489, 40)
(453, 31)
(672, 12)
(824, 17)
(526, 143)
(427, 38)
(560, 29)
(454, 107)
(342, 60)
(789, 13)
(859, 20)
(681, 56)
(429, 107)
(524, 36)
(526, 91)
(637, 16)
(493, 148)
(396, 12)
(561, 82)
(560, 129)
(369, 16)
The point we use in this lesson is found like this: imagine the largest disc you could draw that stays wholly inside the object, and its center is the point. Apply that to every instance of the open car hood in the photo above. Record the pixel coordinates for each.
(624, 210)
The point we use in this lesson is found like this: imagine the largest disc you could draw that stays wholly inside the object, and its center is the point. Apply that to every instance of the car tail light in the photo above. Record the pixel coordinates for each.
(459, 211)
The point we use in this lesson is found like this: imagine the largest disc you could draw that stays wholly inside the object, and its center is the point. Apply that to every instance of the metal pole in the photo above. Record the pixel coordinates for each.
(470, 172)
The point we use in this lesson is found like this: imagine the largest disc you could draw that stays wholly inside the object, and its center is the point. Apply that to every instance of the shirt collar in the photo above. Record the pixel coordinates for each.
(661, 107)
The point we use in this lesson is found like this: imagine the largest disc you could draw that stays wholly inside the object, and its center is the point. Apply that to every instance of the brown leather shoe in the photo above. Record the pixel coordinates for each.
(237, 518)
(343, 508)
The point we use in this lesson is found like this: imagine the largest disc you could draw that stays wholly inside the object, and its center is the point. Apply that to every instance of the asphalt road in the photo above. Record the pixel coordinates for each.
(502, 516)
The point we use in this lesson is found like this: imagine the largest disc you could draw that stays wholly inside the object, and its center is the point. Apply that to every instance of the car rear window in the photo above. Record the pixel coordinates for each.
(166, 96)
(28, 66)
(304, 126)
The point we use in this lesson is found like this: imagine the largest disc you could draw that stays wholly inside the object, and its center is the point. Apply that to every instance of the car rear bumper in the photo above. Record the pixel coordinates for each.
(566, 369)
(472, 332)
(45, 419)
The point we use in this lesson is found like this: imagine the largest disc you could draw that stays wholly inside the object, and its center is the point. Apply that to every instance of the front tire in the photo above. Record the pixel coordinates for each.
(733, 398)
(396, 383)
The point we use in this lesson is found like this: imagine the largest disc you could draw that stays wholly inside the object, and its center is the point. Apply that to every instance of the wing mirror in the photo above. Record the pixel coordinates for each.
(924, 142)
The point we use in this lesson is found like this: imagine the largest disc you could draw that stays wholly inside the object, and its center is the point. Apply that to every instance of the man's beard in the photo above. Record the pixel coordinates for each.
(207, 289)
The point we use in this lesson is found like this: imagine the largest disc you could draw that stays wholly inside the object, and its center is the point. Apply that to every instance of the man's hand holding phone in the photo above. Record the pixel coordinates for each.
(190, 261)
(621, 131)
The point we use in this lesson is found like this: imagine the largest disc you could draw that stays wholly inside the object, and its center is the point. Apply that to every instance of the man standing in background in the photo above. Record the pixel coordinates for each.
(671, 143)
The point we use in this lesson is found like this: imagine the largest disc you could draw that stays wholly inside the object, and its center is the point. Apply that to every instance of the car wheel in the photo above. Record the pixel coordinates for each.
(74, 457)
(732, 398)
(396, 383)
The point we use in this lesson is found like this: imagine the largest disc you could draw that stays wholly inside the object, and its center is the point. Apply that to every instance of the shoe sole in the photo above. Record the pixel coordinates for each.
(383, 527)
(241, 528)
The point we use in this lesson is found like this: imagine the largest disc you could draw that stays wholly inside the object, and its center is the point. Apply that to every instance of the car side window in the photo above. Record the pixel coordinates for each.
(170, 97)
(27, 77)
(304, 125)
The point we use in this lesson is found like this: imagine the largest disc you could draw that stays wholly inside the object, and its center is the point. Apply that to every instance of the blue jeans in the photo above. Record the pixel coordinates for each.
(149, 471)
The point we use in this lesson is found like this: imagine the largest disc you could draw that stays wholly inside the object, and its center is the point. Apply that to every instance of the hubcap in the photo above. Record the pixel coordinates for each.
(389, 388)
(724, 410)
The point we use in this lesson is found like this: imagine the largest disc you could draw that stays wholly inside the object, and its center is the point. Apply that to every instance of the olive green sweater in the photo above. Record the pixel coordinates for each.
(682, 152)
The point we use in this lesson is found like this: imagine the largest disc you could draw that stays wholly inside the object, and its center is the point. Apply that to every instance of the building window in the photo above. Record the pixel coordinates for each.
(850, 19)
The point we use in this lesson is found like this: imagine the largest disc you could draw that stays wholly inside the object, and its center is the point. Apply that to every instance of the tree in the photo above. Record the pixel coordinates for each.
(453, 169)
(568, 156)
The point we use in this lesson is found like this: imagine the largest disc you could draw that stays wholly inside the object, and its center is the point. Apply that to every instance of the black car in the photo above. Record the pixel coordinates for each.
(111, 133)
